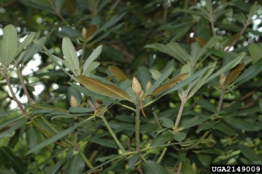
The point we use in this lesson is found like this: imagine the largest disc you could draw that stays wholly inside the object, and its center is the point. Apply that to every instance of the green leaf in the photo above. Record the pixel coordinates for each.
(249, 73)
(9, 45)
(92, 67)
(34, 48)
(151, 167)
(211, 43)
(76, 164)
(205, 159)
(221, 126)
(54, 169)
(160, 80)
(33, 136)
(104, 142)
(207, 125)
(249, 154)
(155, 74)
(94, 55)
(179, 136)
(16, 125)
(207, 105)
(241, 124)
(148, 128)
(193, 122)
(132, 161)
(13, 160)
(70, 54)
(167, 122)
(56, 137)
(162, 139)
(26, 42)
(255, 51)
(80, 110)
(228, 66)
(143, 76)
(187, 168)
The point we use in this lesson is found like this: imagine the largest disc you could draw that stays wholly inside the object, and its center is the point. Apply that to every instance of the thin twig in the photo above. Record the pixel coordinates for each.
(20, 75)
(137, 134)
(113, 8)
(183, 102)
(165, 11)
(221, 99)
(241, 33)
(179, 167)
(57, 11)
(12, 92)
(156, 118)
(242, 98)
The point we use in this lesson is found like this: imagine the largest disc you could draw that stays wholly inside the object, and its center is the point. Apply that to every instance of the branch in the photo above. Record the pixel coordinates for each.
(19, 73)
(12, 92)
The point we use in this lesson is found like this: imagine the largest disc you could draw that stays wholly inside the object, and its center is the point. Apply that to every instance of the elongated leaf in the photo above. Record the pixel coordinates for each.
(101, 88)
(234, 74)
(54, 169)
(162, 139)
(249, 154)
(143, 76)
(132, 161)
(13, 160)
(187, 168)
(9, 45)
(169, 84)
(80, 110)
(26, 42)
(251, 72)
(255, 51)
(92, 67)
(92, 57)
(70, 54)
(56, 137)
(33, 137)
(211, 43)
(16, 125)
(160, 80)
(151, 167)
(155, 74)
(231, 64)
(76, 164)
(34, 48)
(118, 73)
(241, 124)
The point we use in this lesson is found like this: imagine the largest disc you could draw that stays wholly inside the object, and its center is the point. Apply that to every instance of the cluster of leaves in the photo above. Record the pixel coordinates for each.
(92, 121)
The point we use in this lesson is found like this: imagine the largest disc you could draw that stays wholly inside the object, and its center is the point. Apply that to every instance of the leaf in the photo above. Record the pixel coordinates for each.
(211, 43)
(104, 142)
(179, 136)
(249, 73)
(207, 105)
(33, 136)
(231, 40)
(118, 73)
(205, 159)
(54, 169)
(163, 138)
(92, 67)
(101, 88)
(151, 167)
(143, 76)
(132, 161)
(26, 42)
(91, 30)
(221, 126)
(80, 110)
(70, 54)
(241, 124)
(76, 164)
(94, 55)
(56, 137)
(187, 168)
(169, 84)
(167, 122)
(192, 122)
(13, 160)
(255, 51)
(249, 154)
(9, 45)
(207, 125)
(201, 41)
(18, 124)
(234, 74)
(155, 74)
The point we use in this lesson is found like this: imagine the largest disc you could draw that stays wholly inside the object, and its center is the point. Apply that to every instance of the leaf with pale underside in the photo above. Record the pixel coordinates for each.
(70, 54)
(118, 73)
(234, 74)
(9, 45)
(101, 88)
(169, 84)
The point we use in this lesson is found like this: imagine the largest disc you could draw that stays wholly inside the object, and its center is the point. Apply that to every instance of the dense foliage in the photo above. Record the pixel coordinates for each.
(102, 86)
